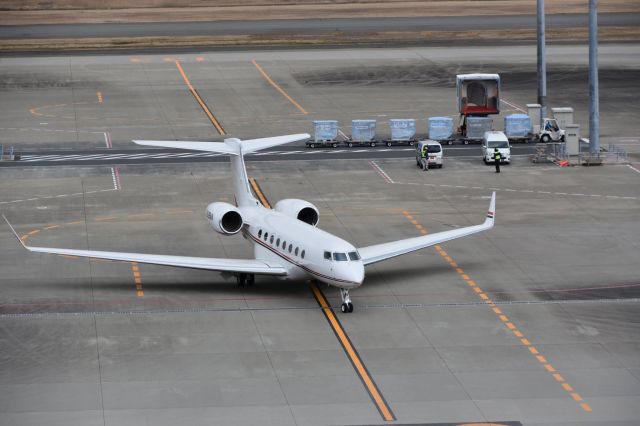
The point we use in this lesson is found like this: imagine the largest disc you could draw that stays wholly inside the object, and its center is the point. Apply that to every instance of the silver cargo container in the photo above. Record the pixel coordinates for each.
(517, 126)
(440, 128)
(363, 130)
(325, 130)
(476, 126)
(402, 129)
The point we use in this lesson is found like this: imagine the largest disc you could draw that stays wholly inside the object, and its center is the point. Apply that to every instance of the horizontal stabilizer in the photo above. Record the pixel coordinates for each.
(220, 147)
(229, 146)
(251, 145)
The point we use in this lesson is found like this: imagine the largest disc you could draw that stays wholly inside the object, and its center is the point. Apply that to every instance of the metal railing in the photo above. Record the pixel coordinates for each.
(619, 153)
(557, 151)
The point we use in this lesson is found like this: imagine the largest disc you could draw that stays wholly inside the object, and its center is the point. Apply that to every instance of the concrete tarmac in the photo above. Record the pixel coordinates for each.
(535, 322)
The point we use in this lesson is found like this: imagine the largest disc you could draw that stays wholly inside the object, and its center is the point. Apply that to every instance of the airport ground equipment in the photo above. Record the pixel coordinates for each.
(435, 153)
(550, 131)
(325, 133)
(440, 129)
(363, 132)
(493, 140)
(403, 132)
(478, 94)
(517, 127)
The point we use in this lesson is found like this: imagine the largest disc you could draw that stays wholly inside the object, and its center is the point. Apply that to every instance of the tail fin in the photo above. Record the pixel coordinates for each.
(236, 149)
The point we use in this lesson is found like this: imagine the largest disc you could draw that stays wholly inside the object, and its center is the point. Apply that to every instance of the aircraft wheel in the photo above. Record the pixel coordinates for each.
(350, 307)
(241, 279)
(344, 308)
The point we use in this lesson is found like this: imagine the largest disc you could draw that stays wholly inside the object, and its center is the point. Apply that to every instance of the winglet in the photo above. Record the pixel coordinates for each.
(14, 232)
(491, 214)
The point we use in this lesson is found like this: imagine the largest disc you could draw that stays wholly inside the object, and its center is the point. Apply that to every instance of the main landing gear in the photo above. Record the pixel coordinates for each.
(245, 279)
(346, 306)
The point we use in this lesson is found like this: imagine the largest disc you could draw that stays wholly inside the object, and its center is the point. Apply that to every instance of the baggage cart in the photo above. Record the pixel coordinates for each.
(325, 133)
(441, 129)
(403, 131)
(518, 127)
(363, 132)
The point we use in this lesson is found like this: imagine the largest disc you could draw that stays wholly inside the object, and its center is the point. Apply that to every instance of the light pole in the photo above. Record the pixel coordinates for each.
(542, 62)
(594, 97)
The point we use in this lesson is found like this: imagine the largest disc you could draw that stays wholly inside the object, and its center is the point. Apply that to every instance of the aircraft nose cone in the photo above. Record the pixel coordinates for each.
(356, 273)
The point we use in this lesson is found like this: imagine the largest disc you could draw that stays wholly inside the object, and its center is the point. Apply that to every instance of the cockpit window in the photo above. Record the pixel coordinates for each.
(353, 255)
(327, 255)
(340, 257)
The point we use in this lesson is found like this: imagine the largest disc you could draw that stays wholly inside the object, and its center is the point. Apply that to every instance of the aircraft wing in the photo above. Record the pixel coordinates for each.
(380, 252)
(249, 266)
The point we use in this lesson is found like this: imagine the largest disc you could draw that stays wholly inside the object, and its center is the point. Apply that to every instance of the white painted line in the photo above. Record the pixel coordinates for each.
(113, 178)
(633, 168)
(381, 172)
(512, 105)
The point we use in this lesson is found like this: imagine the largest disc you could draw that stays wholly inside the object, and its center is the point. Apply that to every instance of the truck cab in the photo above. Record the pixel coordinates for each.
(492, 140)
(551, 131)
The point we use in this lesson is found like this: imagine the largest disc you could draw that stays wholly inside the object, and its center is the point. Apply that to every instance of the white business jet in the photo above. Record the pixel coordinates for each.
(286, 241)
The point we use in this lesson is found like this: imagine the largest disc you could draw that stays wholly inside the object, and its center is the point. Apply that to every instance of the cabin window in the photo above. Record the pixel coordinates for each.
(327, 255)
(290, 247)
(266, 235)
(284, 245)
(271, 239)
(340, 257)
(260, 233)
(296, 251)
(302, 254)
(278, 242)
(353, 255)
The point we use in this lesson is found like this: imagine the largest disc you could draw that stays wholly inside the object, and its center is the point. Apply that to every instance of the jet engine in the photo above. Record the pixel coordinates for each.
(299, 209)
(224, 218)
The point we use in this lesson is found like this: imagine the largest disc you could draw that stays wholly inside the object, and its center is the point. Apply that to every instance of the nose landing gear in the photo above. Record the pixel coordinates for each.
(346, 306)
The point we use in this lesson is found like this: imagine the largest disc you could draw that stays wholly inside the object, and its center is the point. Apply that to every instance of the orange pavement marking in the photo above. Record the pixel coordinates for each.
(195, 94)
(354, 357)
(345, 342)
(278, 88)
(505, 320)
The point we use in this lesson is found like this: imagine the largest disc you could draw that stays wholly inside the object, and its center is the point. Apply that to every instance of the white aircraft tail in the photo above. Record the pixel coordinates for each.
(236, 149)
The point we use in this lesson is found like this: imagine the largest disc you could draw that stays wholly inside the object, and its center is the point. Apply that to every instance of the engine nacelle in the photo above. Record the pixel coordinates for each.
(299, 209)
(224, 218)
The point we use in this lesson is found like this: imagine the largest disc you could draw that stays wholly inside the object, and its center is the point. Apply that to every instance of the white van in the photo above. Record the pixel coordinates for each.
(434, 151)
(492, 140)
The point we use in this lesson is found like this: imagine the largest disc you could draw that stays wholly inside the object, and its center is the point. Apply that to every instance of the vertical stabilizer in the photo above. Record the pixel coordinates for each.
(241, 187)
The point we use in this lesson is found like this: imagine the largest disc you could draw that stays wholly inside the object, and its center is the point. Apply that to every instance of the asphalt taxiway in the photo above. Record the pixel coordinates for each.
(535, 322)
